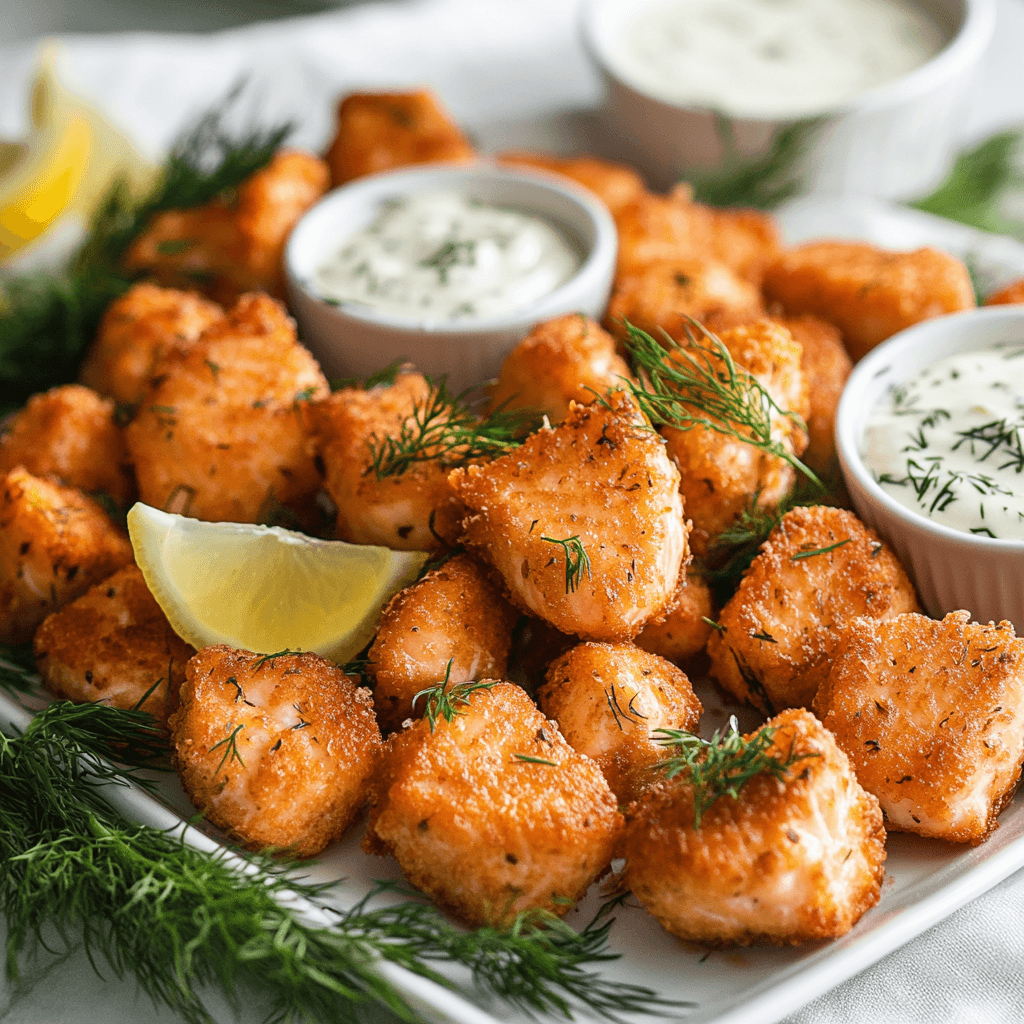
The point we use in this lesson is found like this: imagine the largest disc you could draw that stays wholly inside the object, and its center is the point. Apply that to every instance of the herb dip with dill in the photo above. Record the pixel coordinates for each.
(948, 442)
(442, 256)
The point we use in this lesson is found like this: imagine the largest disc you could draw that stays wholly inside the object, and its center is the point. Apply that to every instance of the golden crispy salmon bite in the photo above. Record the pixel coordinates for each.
(583, 521)
(789, 860)
(114, 645)
(277, 749)
(930, 716)
(686, 627)
(607, 700)
(819, 569)
(453, 624)
(489, 811)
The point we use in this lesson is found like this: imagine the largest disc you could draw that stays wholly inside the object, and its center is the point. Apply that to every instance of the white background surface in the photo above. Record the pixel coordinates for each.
(499, 64)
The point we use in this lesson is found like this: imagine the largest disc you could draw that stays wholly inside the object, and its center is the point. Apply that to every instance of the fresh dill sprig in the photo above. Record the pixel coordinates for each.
(698, 384)
(530, 759)
(17, 670)
(442, 702)
(819, 551)
(723, 765)
(444, 428)
(577, 561)
(230, 744)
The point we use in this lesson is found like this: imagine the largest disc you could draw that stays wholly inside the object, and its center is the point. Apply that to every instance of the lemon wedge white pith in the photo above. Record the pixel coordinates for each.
(264, 588)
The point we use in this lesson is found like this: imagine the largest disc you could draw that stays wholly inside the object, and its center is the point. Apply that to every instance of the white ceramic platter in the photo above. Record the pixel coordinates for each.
(925, 880)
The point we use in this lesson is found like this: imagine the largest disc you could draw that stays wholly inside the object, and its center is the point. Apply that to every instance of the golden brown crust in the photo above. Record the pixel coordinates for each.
(779, 632)
(685, 629)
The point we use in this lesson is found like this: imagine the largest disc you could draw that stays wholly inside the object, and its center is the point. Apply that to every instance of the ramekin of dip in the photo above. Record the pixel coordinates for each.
(930, 436)
(444, 266)
(870, 93)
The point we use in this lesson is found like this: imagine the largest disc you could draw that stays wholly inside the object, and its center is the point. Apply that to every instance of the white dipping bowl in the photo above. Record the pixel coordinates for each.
(894, 141)
(352, 341)
(951, 569)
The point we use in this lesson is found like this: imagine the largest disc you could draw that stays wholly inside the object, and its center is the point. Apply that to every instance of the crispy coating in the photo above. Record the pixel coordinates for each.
(663, 295)
(568, 359)
(685, 630)
(724, 476)
(608, 699)
(787, 861)
(930, 716)
(114, 645)
(867, 292)
(69, 433)
(231, 246)
(779, 632)
(136, 330)
(378, 131)
(454, 616)
(1009, 295)
(602, 477)
(278, 750)
(484, 832)
(403, 511)
(826, 366)
(55, 543)
(221, 434)
(616, 185)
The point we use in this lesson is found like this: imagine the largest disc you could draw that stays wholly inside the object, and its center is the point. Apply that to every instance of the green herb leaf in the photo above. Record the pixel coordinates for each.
(577, 561)
(819, 551)
(442, 702)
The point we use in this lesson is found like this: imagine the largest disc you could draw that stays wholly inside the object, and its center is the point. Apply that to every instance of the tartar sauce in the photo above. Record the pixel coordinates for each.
(773, 58)
(948, 443)
(443, 256)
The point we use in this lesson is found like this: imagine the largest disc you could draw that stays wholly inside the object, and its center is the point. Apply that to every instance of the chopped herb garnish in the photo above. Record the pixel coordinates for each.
(820, 551)
(577, 561)
(535, 760)
(442, 702)
(230, 744)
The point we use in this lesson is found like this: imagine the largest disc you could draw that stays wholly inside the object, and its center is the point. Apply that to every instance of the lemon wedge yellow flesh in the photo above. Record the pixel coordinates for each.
(264, 588)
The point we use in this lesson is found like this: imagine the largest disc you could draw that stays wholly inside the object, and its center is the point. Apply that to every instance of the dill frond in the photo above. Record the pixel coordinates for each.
(17, 670)
(230, 744)
(723, 765)
(818, 551)
(442, 702)
(577, 561)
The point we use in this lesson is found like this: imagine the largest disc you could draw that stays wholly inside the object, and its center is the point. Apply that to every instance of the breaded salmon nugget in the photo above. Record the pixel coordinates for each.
(568, 359)
(867, 292)
(607, 700)
(583, 522)
(55, 543)
(277, 750)
(136, 330)
(685, 629)
(664, 294)
(381, 130)
(826, 366)
(452, 624)
(492, 812)
(399, 511)
(788, 860)
(231, 246)
(1008, 295)
(114, 645)
(723, 476)
(69, 433)
(221, 434)
(819, 569)
(930, 716)
(616, 185)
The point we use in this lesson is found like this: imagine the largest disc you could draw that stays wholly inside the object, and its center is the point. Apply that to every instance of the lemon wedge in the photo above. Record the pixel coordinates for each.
(263, 588)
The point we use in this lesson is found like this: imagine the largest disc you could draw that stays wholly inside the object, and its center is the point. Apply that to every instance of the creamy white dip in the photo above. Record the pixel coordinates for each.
(442, 256)
(948, 443)
(773, 58)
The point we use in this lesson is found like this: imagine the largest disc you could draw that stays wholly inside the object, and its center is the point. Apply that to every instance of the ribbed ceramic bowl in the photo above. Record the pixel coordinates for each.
(952, 570)
(894, 141)
(356, 341)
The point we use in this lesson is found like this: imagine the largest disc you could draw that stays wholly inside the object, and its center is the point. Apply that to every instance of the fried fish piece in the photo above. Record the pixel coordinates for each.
(69, 433)
(378, 131)
(686, 627)
(114, 645)
(819, 569)
(583, 522)
(788, 860)
(453, 624)
(1008, 295)
(869, 293)
(222, 432)
(55, 543)
(608, 699)
(568, 359)
(929, 714)
(137, 330)
(277, 750)
(492, 812)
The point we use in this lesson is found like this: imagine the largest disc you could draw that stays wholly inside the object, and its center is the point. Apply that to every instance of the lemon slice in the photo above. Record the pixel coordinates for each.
(263, 588)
